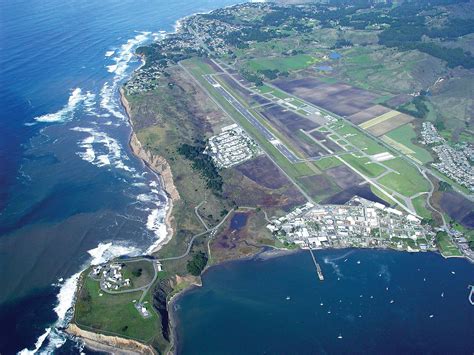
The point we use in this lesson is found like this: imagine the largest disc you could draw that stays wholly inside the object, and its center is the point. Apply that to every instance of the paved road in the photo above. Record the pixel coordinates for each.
(251, 118)
(144, 288)
(213, 229)
(196, 212)
(308, 198)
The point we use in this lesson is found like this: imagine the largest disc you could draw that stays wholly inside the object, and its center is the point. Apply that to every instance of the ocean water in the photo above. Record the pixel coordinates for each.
(371, 302)
(71, 192)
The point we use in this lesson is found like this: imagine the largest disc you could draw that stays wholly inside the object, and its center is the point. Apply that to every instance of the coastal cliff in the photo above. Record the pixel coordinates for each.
(160, 166)
(109, 344)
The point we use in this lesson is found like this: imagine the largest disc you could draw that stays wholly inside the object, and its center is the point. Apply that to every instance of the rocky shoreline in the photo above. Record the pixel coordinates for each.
(161, 168)
(109, 344)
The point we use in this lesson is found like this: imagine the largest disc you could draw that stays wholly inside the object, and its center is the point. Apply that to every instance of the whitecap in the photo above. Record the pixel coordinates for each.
(101, 150)
(39, 342)
(123, 56)
(66, 113)
(66, 296)
(109, 53)
(156, 223)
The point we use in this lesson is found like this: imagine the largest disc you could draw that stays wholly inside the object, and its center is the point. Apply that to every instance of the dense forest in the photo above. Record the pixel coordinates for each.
(197, 264)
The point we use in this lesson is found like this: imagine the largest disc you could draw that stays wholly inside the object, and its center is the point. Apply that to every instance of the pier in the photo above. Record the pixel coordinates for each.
(318, 268)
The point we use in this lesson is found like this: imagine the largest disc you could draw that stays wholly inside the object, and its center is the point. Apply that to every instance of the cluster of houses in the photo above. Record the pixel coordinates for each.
(144, 79)
(359, 223)
(231, 147)
(454, 162)
(429, 134)
(110, 276)
(463, 244)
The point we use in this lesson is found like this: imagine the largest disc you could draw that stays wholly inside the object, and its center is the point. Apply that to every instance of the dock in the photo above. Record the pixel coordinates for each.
(318, 268)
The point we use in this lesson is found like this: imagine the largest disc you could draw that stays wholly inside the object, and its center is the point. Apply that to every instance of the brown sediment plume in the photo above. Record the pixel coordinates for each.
(109, 344)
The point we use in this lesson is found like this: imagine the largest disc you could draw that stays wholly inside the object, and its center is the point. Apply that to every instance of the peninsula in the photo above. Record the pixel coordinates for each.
(292, 126)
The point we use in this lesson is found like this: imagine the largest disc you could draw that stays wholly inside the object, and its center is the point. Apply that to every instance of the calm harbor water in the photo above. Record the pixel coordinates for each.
(372, 301)
(71, 192)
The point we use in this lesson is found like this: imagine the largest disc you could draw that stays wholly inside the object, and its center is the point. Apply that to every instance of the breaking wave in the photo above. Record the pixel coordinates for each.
(65, 298)
(67, 112)
(123, 56)
(101, 150)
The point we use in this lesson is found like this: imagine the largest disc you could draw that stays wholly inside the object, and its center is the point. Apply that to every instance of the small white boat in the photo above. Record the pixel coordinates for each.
(340, 336)
(431, 315)
(442, 294)
(288, 298)
(392, 301)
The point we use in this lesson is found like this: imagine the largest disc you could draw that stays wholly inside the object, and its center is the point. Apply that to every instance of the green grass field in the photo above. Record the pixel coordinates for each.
(446, 246)
(420, 206)
(360, 140)
(327, 163)
(404, 135)
(364, 165)
(139, 272)
(281, 64)
(114, 314)
(408, 181)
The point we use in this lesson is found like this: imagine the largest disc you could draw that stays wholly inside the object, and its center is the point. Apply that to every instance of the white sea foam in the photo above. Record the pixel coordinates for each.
(107, 251)
(109, 53)
(108, 101)
(145, 198)
(101, 150)
(65, 298)
(123, 57)
(156, 223)
(39, 342)
(67, 112)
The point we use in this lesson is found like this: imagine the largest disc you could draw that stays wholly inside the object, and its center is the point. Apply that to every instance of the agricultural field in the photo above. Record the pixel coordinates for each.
(367, 114)
(340, 98)
(386, 122)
